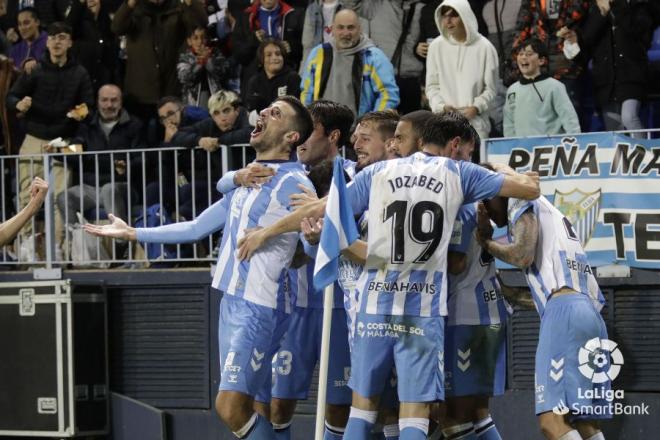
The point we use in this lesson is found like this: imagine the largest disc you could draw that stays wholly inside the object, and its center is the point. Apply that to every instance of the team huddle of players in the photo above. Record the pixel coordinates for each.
(418, 315)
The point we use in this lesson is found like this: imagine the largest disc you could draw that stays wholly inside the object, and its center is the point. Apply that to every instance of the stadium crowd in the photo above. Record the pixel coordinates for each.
(111, 75)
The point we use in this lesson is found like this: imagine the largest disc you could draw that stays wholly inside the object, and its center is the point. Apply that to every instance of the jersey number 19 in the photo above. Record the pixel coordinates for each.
(417, 214)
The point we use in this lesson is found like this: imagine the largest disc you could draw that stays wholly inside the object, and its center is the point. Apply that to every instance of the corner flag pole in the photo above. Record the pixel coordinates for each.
(328, 297)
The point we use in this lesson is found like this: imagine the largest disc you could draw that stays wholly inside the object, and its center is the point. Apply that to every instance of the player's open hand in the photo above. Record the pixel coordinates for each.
(301, 199)
(254, 175)
(311, 229)
(250, 243)
(117, 229)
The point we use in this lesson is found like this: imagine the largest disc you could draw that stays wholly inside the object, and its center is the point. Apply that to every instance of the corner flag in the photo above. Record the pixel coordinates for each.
(339, 230)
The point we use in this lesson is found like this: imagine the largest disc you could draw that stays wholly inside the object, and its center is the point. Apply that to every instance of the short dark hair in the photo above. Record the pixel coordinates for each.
(30, 10)
(268, 42)
(303, 122)
(443, 127)
(417, 120)
(538, 46)
(385, 121)
(333, 116)
(463, 125)
(59, 27)
(488, 166)
(321, 176)
(169, 99)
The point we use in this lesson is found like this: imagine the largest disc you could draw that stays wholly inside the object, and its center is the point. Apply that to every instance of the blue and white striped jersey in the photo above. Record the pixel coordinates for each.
(300, 280)
(303, 293)
(296, 284)
(474, 294)
(560, 260)
(258, 280)
(412, 205)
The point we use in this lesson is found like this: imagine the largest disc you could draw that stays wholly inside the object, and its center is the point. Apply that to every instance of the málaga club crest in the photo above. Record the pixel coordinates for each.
(581, 209)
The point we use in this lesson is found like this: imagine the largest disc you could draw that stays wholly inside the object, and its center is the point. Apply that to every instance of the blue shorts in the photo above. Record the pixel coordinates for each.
(475, 360)
(249, 335)
(412, 344)
(300, 351)
(563, 376)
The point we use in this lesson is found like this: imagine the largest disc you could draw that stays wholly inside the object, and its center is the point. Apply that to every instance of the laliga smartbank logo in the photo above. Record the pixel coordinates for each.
(599, 353)
(600, 361)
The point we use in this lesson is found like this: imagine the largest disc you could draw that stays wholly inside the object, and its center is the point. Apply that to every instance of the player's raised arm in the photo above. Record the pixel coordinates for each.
(520, 186)
(525, 233)
(10, 228)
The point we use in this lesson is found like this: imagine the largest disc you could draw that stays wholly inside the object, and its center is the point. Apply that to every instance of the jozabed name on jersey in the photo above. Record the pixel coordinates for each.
(420, 181)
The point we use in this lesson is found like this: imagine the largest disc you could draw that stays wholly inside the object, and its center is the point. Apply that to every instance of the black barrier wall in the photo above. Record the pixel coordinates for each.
(162, 334)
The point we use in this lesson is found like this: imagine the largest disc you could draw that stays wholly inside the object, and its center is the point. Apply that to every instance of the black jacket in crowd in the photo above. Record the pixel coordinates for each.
(618, 45)
(261, 91)
(125, 135)
(189, 137)
(95, 46)
(54, 90)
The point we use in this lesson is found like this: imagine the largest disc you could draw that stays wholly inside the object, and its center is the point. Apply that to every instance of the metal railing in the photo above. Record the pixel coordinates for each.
(181, 181)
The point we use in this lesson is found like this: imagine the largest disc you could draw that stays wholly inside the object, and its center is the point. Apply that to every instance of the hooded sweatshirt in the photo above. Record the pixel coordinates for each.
(340, 82)
(462, 74)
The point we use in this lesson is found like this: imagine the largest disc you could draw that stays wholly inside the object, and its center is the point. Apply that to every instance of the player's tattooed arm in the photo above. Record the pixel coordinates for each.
(521, 252)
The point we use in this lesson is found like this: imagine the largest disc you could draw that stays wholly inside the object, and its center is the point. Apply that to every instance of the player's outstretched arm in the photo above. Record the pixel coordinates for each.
(117, 229)
(208, 221)
(525, 234)
(520, 186)
(253, 240)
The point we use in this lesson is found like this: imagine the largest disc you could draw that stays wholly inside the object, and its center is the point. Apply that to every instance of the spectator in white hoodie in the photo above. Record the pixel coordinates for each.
(461, 66)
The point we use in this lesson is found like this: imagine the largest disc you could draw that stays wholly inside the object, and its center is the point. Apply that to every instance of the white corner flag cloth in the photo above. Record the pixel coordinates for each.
(339, 230)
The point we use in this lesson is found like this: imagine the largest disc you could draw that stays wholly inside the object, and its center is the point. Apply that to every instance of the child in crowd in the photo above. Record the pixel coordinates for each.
(202, 69)
(537, 104)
